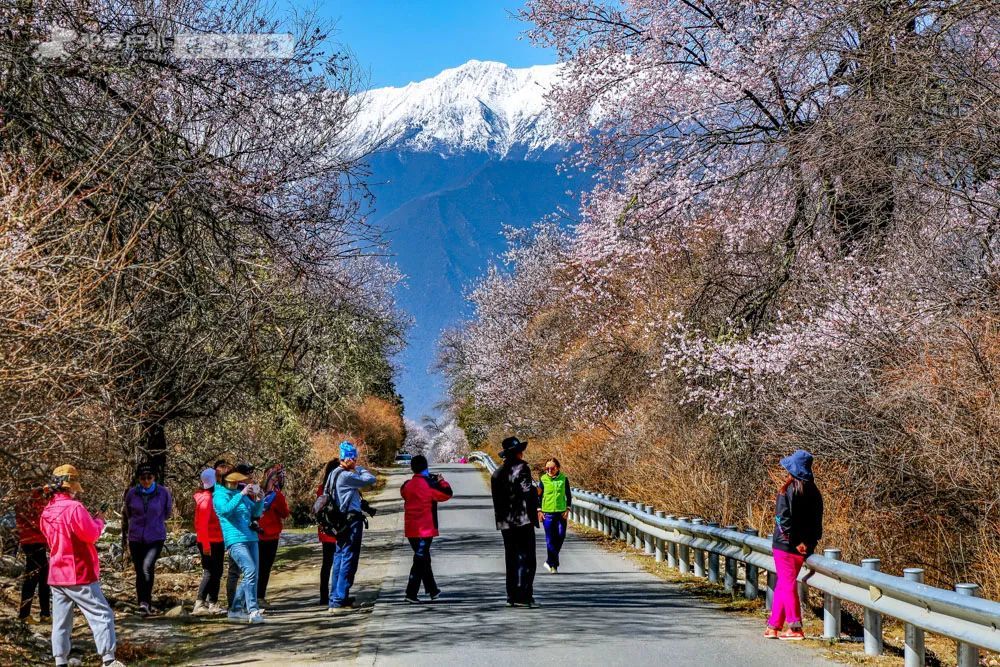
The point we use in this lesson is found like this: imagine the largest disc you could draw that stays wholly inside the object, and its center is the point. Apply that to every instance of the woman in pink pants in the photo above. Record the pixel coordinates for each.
(798, 527)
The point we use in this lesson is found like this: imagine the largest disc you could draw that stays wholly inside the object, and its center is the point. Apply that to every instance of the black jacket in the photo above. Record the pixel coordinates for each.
(515, 499)
(798, 518)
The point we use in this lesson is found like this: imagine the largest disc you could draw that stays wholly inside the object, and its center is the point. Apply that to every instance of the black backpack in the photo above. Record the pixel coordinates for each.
(329, 517)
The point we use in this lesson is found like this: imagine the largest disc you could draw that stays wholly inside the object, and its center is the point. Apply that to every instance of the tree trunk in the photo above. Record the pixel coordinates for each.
(156, 447)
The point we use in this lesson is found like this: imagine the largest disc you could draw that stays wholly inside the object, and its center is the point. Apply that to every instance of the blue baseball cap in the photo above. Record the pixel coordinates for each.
(348, 450)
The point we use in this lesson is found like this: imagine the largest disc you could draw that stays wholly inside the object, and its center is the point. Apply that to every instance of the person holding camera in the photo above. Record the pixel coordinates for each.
(236, 504)
(74, 570)
(328, 541)
(421, 495)
(346, 483)
(148, 505)
(515, 506)
(271, 524)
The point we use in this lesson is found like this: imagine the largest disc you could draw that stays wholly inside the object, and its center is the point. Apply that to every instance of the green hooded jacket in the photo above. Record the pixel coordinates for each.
(556, 496)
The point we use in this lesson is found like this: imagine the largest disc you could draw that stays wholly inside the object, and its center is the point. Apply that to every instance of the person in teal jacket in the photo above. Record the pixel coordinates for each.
(236, 502)
(553, 487)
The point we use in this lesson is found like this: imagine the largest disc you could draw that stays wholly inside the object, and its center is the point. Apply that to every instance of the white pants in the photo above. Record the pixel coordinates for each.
(96, 610)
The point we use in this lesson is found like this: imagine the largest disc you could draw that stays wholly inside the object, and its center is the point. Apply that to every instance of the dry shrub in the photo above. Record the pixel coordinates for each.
(378, 425)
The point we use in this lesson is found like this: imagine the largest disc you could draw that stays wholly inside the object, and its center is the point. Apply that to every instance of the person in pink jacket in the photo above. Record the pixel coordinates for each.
(74, 571)
(421, 495)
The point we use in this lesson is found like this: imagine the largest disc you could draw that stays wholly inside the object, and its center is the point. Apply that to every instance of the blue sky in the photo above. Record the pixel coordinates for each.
(399, 41)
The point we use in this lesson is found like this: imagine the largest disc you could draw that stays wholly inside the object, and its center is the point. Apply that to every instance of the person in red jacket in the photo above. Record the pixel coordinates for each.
(36, 560)
(74, 571)
(271, 523)
(421, 495)
(211, 547)
(329, 542)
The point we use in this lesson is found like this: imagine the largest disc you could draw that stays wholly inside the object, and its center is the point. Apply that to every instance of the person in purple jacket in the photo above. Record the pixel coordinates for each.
(148, 505)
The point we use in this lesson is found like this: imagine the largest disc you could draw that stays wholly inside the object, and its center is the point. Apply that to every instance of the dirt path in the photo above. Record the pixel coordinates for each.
(298, 631)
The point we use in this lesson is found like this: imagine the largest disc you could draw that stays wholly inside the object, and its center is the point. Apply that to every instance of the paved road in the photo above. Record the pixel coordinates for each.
(601, 609)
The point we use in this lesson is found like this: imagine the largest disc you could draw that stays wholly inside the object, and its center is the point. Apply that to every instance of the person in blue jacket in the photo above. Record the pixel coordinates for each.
(236, 507)
(344, 485)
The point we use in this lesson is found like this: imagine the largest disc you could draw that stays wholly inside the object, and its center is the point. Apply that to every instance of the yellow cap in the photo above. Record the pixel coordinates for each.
(72, 476)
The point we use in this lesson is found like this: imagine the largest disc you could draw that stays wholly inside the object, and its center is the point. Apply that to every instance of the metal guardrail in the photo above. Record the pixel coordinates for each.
(706, 549)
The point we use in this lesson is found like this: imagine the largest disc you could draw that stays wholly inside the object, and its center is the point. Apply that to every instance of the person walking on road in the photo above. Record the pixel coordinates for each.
(344, 487)
(74, 571)
(210, 545)
(148, 505)
(553, 488)
(329, 542)
(235, 508)
(36, 559)
(515, 504)
(421, 495)
(271, 523)
(798, 528)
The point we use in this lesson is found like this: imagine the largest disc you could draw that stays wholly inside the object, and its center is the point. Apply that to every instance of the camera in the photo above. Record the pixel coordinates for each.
(368, 509)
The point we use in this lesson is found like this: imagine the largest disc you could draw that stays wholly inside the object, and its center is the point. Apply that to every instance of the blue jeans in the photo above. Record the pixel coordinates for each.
(246, 556)
(555, 535)
(345, 562)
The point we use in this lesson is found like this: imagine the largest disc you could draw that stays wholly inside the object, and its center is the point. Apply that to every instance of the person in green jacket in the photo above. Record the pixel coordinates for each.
(236, 503)
(553, 487)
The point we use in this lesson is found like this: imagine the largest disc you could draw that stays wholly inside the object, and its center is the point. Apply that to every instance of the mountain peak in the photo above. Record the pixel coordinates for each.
(478, 106)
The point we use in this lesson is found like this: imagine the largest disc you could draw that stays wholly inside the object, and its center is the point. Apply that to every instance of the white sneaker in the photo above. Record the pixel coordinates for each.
(237, 616)
(256, 616)
(216, 609)
(116, 663)
(201, 609)
(548, 568)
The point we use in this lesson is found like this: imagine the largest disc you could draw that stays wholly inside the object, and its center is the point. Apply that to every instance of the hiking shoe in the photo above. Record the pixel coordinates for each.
(792, 634)
(256, 616)
(526, 605)
(201, 609)
(770, 633)
(509, 603)
(340, 608)
(215, 609)
(411, 600)
(144, 610)
(240, 616)
(436, 595)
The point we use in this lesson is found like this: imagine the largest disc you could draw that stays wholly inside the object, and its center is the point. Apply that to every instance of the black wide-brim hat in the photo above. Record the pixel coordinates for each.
(512, 445)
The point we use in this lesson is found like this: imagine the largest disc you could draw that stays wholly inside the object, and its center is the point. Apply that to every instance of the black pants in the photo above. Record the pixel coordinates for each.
(212, 562)
(268, 549)
(420, 571)
(36, 575)
(144, 556)
(519, 557)
(329, 548)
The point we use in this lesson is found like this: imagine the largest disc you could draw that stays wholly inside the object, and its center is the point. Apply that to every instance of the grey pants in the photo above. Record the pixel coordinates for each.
(96, 610)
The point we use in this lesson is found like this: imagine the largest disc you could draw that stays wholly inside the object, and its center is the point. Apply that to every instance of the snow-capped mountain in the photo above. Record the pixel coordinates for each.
(461, 155)
(478, 106)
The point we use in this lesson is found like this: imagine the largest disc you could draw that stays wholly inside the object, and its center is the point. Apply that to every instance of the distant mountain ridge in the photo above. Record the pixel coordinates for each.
(479, 106)
(464, 153)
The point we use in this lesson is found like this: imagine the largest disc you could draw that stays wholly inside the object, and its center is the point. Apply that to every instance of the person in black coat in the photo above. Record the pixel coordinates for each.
(515, 504)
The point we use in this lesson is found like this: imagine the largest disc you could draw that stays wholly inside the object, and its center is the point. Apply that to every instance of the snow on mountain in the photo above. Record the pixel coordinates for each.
(478, 106)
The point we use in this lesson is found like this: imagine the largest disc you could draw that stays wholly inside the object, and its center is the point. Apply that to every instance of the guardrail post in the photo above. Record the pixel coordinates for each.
(873, 619)
(620, 526)
(729, 580)
(649, 538)
(713, 560)
(683, 553)
(968, 655)
(631, 532)
(772, 581)
(751, 585)
(699, 555)
(831, 605)
(913, 648)
(605, 521)
(658, 542)
(672, 548)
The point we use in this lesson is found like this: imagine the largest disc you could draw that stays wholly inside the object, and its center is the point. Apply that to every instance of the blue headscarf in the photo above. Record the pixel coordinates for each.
(348, 450)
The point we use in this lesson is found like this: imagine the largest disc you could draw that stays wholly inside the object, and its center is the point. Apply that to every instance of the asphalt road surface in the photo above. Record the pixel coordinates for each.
(600, 609)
